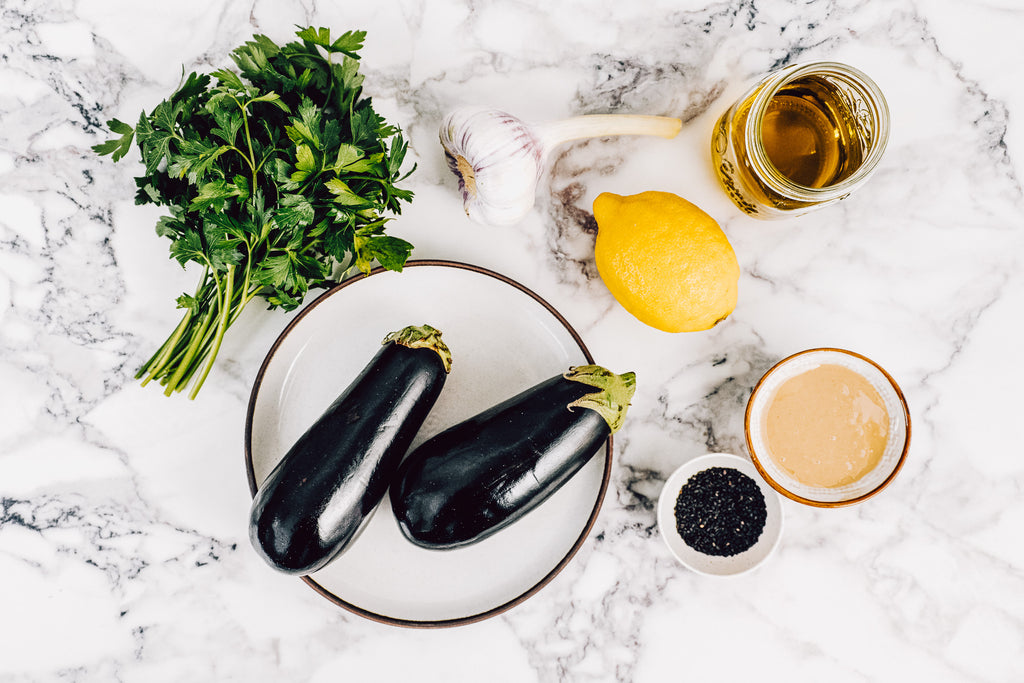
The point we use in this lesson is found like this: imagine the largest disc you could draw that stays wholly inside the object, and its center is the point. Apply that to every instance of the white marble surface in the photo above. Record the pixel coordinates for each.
(123, 551)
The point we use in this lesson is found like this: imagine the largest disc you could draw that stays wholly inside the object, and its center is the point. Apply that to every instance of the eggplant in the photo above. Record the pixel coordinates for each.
(320, 495)
(481, 475)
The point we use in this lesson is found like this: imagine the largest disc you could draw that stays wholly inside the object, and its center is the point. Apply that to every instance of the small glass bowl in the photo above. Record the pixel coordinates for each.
(871, 483)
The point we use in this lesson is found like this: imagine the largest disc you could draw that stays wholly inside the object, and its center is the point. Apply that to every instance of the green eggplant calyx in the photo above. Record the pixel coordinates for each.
(422, 337)
(612, 401)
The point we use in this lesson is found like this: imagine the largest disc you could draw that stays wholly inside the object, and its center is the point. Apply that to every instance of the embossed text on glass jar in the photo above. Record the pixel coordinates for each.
(805, 137)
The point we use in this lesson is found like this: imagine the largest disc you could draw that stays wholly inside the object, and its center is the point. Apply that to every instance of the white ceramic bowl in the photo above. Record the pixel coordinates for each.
(713, 565)
(868, 485)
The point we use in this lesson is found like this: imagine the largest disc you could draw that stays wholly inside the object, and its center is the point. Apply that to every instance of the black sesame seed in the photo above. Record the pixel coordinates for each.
(720, 511)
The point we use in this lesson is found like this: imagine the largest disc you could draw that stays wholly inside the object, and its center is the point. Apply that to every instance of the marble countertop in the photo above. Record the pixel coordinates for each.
(123, 546)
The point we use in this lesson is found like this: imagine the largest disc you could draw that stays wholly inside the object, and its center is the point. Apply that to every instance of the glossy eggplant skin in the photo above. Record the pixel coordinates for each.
(481, 475)
(318, 497)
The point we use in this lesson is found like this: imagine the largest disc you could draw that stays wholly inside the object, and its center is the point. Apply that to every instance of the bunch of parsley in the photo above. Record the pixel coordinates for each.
(276, 177)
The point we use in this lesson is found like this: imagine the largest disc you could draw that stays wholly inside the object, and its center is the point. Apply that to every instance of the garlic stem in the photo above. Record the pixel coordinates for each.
(498, 158)
(556, 133)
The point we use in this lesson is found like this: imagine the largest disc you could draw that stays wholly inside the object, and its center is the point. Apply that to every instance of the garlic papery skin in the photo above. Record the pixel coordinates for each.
(498, 158)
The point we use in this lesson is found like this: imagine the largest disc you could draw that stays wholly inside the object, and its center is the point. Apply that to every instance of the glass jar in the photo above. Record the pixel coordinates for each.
(804, 137)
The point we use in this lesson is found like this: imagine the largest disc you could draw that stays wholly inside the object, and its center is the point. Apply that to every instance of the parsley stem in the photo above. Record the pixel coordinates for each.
(201, 347)
(242, 154)
(222, 327)
(190, 352)
(159, 359)
(248, 141)
(330, 72)
(163, 355)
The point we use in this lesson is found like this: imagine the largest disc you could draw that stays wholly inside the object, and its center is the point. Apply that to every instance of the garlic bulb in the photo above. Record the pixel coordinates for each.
(499, 159)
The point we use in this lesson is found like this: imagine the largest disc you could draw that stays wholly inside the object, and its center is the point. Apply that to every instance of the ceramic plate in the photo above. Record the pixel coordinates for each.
(711, 564)
(504, 338)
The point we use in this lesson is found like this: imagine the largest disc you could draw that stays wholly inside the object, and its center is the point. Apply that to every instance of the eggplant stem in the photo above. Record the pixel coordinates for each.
(611, 401)
(422, 337)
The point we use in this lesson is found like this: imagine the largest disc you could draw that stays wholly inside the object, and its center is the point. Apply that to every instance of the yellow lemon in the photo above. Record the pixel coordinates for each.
(665, 260)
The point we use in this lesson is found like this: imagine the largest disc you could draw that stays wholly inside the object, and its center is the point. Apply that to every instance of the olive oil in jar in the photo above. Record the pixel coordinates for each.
(809, 135)
(804, 137)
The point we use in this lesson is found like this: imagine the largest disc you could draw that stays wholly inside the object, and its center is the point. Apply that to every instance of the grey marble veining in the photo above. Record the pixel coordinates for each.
(123, 546)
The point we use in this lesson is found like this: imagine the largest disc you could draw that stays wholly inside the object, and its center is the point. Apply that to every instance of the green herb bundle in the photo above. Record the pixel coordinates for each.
(276, 176)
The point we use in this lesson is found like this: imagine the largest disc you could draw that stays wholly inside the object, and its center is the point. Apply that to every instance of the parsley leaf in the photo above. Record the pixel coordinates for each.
(116, 147)
(349, 43)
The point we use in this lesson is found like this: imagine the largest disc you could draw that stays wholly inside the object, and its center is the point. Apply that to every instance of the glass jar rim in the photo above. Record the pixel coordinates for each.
(768, 88)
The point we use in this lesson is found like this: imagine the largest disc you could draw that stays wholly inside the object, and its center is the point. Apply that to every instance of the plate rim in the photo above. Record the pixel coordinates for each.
(454, 621)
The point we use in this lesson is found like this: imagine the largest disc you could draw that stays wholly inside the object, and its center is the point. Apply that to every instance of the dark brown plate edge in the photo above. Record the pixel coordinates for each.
(494, 611)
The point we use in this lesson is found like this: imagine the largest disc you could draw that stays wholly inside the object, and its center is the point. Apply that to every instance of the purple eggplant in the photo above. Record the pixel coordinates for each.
(320, 495)
(481, 475)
